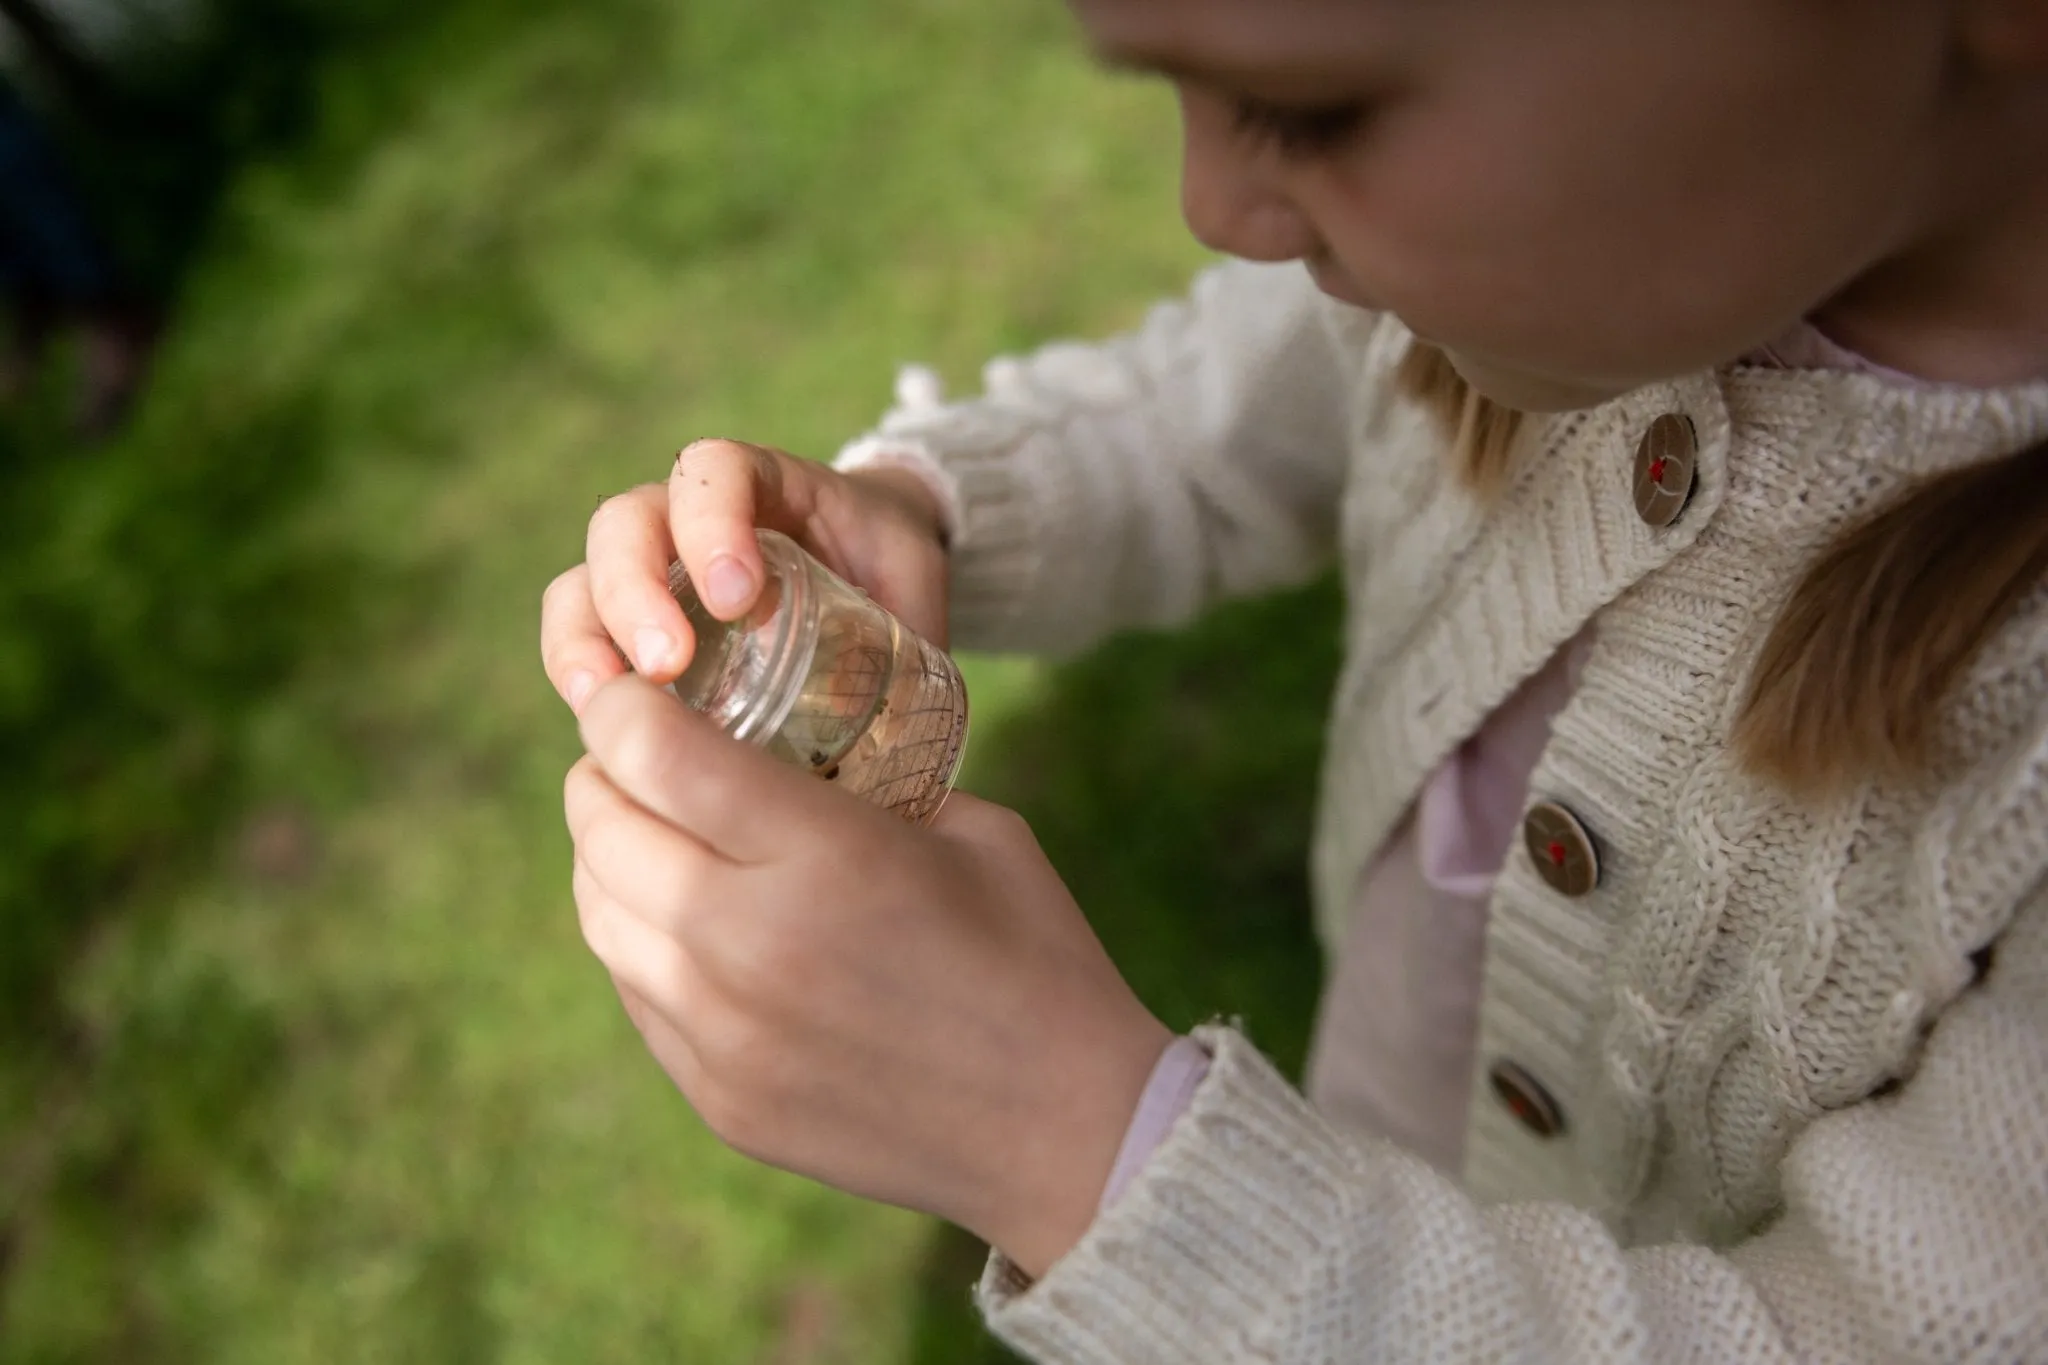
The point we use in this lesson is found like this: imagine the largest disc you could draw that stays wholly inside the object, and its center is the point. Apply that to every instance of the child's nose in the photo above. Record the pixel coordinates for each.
(1233, 204)
(1254, 228)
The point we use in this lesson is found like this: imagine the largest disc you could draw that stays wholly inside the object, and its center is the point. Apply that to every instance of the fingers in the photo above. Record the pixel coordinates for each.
(629, 551)
(575, 649)
(912, 577)
(731, 796)
(645, 967)
(919, 597)
(670, 1048)
(718, 492)
(654, 870)
(632, 950)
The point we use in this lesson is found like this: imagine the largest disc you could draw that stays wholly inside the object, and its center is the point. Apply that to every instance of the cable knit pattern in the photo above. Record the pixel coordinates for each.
(1799, 1126)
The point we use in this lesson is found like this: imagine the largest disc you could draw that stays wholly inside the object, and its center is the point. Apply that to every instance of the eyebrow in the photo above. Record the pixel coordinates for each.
(1276, 67)
(1133, 62)
(1137, 62)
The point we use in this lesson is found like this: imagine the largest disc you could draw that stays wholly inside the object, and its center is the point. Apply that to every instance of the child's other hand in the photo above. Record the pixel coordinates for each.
(920, 1016)
(878, 530)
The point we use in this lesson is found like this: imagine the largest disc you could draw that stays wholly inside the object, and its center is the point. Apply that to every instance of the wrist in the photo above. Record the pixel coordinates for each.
(909, 491)
(1055, 1178)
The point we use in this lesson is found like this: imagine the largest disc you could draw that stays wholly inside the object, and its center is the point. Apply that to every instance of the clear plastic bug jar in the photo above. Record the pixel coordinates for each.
(823, 678)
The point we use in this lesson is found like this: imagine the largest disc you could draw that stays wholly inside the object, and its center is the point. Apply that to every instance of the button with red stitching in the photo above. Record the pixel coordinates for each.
(1667, 465)
(1563, 852)
(1524, 1097)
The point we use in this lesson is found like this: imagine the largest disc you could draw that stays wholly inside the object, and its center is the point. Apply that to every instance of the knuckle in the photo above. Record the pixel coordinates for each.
(991, 823)
(641, 754)
(670, 880)
(709, 454)
(660, 769)
(619, 511)
(593, 918)
(729, 461)
(590, 923)
(738, 1101)
(618, 600)
(766, 465)
(748, 964)
(564, 588)
(708, 787)
(634, 755)
(683, 899)
(558, 659)
(608, 512)
(577, 783)
(983, 831)
(731, 1045)
(700, 525)
(728, 1114)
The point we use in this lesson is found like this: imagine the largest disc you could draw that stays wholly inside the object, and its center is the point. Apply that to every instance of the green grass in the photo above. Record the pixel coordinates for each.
(303, 1059)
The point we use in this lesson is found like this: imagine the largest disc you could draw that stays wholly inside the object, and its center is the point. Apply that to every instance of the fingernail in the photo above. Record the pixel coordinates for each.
(653, 648)
(727, 585)
(581, 685)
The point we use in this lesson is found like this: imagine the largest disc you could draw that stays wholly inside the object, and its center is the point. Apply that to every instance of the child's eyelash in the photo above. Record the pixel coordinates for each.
(1298, 130)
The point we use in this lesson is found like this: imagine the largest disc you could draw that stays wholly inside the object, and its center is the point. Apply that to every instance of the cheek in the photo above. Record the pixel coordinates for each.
(1593, 230)
(1453, 233)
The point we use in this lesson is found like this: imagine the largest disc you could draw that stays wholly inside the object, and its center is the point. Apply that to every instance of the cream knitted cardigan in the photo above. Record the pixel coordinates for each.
(1719, 1020)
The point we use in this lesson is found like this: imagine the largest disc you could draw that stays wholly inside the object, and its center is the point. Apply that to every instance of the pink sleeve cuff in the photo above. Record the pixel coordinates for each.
(1167, 1095)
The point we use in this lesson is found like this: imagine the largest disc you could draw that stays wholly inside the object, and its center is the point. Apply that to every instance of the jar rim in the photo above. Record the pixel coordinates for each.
(765, 655)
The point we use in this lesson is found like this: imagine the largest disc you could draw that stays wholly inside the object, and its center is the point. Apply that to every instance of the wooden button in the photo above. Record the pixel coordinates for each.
(1525, 1098)
(1561, 849)
(1667, 463)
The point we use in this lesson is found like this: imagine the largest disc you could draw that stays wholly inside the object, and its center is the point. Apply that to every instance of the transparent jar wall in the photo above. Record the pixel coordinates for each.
(824, 678)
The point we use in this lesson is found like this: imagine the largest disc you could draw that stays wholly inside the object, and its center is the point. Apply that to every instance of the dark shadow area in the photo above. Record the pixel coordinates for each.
(158, 124)
(144, 599)
(153, 591)
(1173, 778)
(145, 604)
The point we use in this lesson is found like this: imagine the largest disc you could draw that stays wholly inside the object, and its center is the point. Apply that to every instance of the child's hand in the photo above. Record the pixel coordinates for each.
(878, 530)
(920, 1016)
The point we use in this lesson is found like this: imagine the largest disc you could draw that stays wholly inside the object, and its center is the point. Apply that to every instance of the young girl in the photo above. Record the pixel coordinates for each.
(1670, 380)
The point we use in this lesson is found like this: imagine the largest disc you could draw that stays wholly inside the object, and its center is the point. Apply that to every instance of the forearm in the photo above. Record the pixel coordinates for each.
(1134, 482)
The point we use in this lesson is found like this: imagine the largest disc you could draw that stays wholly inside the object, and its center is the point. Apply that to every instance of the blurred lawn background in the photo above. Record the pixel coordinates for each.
(301, 1057)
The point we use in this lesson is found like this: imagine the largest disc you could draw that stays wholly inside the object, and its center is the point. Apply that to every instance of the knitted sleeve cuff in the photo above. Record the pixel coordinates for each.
(1243, 1198)
(915, 459)
(969, 456)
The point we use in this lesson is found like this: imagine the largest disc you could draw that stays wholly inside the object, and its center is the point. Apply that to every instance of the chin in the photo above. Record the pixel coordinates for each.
(1526, 392)
(1334, 281)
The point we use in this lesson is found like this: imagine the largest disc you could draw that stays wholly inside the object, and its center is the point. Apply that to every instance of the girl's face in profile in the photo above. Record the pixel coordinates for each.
(1572, 197)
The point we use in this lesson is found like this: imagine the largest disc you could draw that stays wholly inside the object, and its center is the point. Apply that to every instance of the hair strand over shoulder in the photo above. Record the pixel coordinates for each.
(1880, 629)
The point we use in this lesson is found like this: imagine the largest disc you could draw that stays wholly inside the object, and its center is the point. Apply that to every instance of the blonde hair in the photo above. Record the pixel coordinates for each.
(1482, 431)
(1879, 630)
